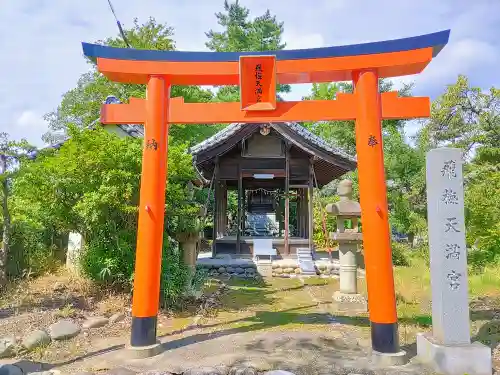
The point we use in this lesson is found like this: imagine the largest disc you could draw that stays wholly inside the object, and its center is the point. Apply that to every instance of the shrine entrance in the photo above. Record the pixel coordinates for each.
(271, 169)
(257, 74)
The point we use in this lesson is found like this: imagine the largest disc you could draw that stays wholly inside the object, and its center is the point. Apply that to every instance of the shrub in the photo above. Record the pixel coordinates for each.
(109, 256)
(486, 250)
(176, 280)
(32, 250)
(401, 254)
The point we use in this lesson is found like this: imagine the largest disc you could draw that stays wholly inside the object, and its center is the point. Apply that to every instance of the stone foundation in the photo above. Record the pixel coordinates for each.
(229, 268)
(288, 268)
(242, 268)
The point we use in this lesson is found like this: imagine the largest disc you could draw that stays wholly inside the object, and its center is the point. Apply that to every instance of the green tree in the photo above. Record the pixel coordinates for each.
(404, 164)
(241, 34)
(81, 105)
(10, 154)
(468, 117)
(341, 133)
(91, 185)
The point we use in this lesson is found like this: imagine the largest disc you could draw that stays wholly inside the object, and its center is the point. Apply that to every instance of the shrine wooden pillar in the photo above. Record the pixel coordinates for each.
(304, 211)
(145, 299)
(374, 214)
(238, 221)
(215, 228)
(310, 201)
(223, 208)
(287, 199)
(298, 200)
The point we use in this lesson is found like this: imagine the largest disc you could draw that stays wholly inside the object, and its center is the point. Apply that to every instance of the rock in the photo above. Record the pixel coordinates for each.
(278, 372)
(10, 370)
(35, 339)
(322, 266)
(59, 287)
(222, 269)
(260, 364)
(225, 276)
(213, 273)
(115, 318)
(278, 270)
(7, 345)
(49, 372)
(243, 371)
(288, 270)
(84, 373)
(297, 271)
(155, 372)
(95, 322)
(229, 269)
(239, 270)
(203, 371)
(120, 371)
(63, 330)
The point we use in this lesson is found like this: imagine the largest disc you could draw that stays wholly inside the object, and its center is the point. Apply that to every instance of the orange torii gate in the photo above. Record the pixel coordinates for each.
(257, 74)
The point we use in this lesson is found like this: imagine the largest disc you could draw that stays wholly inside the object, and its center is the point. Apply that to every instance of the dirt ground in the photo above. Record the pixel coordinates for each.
(246, 308)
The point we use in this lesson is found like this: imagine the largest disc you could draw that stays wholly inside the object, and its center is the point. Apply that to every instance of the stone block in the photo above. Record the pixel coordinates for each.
(7, 345)
(117, 317)
(383, 360)
(63, 330)
(142, 352)
(95, 322)
(461, 359)
(353, 303)
(35, 339)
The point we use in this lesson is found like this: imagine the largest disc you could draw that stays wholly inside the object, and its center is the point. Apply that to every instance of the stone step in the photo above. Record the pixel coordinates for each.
(307, 267)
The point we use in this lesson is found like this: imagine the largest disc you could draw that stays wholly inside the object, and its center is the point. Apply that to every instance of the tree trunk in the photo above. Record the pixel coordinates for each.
(411, 239)
(4, 249)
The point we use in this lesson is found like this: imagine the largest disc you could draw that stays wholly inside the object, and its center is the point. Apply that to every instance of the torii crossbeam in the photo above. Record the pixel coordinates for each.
(257, 74)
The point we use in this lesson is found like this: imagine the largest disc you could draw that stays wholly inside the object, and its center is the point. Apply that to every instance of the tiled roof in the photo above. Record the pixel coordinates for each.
(227, 132)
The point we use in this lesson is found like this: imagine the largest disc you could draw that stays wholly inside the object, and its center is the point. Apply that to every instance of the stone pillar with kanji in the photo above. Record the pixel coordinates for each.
(347, 210)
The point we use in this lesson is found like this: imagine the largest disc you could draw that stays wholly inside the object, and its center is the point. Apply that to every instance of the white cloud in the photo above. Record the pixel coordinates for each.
(30, 120)
(31, 125)
(42, 57)
(299, 41)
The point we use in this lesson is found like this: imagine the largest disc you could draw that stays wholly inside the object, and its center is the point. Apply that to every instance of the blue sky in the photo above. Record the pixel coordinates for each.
(41, 55)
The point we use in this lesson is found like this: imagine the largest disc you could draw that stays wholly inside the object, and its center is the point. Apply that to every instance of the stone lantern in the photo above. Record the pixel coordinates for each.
(347, 298)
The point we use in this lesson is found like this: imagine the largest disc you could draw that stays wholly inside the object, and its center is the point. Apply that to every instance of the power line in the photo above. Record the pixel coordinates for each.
(119, 24)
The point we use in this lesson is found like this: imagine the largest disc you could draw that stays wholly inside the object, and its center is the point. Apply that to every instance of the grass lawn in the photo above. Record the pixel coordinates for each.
(287, 304)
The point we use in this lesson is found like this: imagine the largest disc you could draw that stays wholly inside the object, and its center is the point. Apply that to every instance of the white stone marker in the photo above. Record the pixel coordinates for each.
(449, 349)
(75, 246)
(445, 213)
